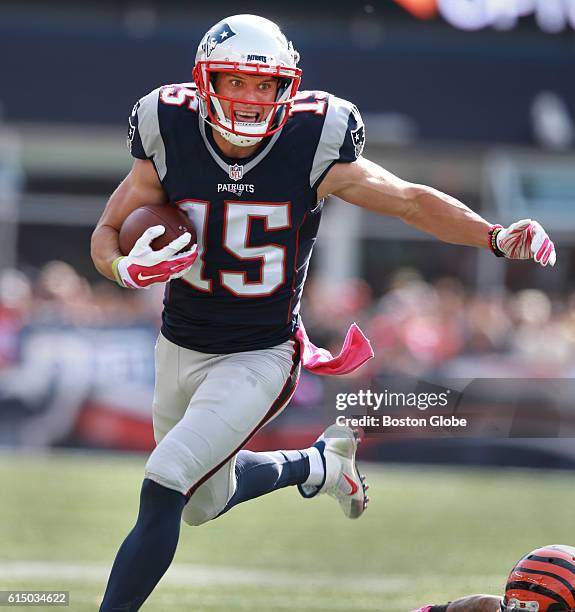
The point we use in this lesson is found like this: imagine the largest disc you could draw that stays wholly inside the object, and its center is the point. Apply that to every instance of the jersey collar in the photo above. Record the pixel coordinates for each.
(225, 162)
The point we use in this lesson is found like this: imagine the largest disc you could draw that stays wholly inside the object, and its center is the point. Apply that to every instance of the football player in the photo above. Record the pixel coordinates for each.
(251, 160)
(541, 581)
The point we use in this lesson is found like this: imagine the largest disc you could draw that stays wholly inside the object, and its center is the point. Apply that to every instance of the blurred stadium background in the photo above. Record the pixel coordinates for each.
(474, 97)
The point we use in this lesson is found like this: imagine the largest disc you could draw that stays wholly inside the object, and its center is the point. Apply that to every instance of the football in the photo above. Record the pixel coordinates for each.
(139, 220)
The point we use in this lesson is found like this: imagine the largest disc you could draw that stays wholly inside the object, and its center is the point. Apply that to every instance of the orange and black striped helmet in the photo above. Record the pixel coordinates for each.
(542, 581)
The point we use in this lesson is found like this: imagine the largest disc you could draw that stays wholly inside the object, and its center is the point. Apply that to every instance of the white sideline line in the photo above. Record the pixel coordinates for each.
(183, 574)
(192, 575)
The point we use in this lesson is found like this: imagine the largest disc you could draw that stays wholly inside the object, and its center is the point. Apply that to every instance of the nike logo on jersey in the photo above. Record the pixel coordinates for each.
(236, 188)
(144, 277)
(354, 486)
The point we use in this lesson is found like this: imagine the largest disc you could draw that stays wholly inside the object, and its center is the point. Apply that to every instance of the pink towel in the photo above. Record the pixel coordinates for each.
(355, 352)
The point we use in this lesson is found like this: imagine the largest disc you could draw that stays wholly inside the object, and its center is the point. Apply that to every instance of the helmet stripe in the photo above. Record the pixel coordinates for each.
(564, 582)
(546, 567)
(529, 587)
(558, 561)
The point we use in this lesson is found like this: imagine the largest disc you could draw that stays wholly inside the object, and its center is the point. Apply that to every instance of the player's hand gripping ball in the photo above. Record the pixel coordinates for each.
(152, 239)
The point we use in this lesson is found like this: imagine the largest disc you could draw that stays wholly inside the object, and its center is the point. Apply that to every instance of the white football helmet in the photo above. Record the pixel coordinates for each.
(246, 44)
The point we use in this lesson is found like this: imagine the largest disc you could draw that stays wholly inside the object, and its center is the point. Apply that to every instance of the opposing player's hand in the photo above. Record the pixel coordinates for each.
(525, 239)
(144, 266)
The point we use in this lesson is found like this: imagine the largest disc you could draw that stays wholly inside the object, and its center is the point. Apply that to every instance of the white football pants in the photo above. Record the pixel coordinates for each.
(206, 407)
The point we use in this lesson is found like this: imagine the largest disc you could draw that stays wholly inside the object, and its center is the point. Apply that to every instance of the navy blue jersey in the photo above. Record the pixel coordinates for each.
(256, 218)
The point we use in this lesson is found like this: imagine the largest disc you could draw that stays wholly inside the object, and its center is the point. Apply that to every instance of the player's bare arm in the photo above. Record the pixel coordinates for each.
(141, 186)
(476, 603)
(471, 603)
(370, 186)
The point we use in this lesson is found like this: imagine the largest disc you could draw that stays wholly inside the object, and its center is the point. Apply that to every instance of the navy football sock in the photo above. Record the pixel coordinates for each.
(147, 552)
(261, 473)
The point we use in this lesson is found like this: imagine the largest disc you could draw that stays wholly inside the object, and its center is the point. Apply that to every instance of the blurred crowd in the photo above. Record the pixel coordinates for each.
(417, 328)
(422, 329)
(57, 295)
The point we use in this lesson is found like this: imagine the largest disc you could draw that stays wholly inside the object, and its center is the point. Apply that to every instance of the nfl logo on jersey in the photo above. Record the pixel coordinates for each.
(236, 172)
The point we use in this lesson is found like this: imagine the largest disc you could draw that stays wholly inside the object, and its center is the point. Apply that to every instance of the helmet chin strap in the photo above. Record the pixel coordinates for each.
(238, 141)
(235, 139)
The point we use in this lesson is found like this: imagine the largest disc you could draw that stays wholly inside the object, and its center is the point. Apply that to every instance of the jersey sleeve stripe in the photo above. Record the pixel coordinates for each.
(331, 139)
(150, 135)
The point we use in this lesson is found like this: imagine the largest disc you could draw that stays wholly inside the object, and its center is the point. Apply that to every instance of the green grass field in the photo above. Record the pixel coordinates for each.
(430, 534)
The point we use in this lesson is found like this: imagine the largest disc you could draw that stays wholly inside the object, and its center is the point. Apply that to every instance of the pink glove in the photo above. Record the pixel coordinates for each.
(523, 239)
(424, 609)
(144, 266)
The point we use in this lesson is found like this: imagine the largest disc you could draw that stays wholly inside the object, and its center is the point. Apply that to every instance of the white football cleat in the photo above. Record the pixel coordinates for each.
(338, 446)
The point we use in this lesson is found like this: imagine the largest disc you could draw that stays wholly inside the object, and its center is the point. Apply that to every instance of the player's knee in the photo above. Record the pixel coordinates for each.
(195, 516)
(207, 503)
(200, 511)
(174, 465)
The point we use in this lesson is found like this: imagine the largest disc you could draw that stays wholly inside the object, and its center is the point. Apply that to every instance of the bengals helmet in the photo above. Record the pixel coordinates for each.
(542, 581)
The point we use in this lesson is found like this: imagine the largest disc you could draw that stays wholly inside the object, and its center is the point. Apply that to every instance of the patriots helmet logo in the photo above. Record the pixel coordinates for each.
(358, 135)
(133, 121)
(215, 37)
(358, 139)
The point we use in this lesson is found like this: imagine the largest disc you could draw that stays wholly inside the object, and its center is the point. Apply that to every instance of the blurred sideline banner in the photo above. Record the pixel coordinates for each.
(67, 375)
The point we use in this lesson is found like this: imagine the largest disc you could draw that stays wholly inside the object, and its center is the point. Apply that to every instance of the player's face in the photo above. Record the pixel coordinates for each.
(257, 90)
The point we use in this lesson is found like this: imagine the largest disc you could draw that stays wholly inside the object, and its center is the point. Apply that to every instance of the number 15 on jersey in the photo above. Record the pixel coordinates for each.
(238, 217)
